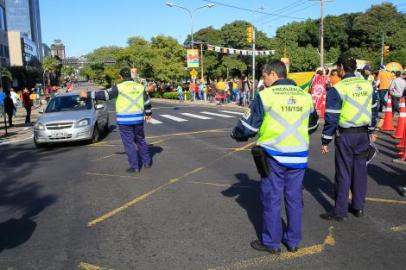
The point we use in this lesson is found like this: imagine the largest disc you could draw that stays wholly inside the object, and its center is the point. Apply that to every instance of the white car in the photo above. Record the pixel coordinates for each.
(68, 118)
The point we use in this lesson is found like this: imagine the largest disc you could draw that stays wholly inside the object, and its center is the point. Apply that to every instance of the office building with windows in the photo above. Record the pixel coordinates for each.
(24, 16)
(58, 49)
(4, 48)
(23, 51)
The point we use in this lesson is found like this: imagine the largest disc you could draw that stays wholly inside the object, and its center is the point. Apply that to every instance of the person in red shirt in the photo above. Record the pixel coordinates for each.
(27, 103)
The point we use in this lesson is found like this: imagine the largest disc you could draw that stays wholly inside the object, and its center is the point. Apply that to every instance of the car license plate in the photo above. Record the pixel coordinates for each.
(58, 134)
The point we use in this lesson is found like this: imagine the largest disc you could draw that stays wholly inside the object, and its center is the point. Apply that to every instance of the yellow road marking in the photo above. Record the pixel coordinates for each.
(379, 200)
(87, 266)
(148, 194)
(98, 159)
(110, 175)
(269, 259)
(215, 184)
(400, 228)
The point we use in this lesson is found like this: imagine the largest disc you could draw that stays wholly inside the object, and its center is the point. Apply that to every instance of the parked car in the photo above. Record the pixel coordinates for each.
(68, 118)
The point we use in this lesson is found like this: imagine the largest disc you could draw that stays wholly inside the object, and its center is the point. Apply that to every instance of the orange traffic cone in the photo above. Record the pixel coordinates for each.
(388, 120)
(402, 153)
(399, 133)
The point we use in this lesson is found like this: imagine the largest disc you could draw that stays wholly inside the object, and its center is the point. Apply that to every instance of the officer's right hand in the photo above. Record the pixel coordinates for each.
(324, 149)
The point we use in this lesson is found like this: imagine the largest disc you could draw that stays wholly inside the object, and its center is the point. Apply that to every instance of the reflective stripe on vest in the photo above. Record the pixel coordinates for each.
(286, 142)
(130, 104)
(356, 95)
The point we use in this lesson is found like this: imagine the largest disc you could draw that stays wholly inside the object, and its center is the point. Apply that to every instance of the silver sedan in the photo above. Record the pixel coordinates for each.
(69, 118)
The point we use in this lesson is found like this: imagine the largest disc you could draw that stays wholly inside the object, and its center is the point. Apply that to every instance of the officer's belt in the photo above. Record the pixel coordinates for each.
(363, 129)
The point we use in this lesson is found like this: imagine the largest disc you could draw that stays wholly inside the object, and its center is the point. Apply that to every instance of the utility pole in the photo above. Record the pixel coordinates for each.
(253, 62)
(322, 31)
(382, 47)
(201, 60)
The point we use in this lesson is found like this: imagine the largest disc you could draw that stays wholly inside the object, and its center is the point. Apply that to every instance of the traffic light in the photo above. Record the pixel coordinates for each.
(249, 34)
(386, 51)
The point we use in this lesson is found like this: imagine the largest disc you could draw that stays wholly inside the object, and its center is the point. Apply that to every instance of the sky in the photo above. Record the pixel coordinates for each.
(84, 25)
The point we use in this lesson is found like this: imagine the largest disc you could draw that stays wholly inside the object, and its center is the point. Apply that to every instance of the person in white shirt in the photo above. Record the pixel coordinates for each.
(396, 89)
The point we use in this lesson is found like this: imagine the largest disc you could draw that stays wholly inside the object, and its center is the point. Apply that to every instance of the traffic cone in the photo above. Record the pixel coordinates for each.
(388, 120)
(402, 153)
(402, 143)
(399, 133)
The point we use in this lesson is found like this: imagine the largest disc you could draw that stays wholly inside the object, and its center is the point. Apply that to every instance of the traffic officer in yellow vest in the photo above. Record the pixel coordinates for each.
(283, 116)
(133, 106)
(351, 113)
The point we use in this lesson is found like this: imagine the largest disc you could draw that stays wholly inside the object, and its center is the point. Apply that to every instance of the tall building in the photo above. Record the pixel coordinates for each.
(58, 49)
(24, 16)
(4, 48)
(46, 51)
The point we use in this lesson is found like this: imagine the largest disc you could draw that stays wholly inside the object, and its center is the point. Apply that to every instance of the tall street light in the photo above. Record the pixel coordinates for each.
(191, 13)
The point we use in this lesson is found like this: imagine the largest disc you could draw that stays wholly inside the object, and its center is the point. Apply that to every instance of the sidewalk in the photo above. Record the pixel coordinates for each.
(19, 132)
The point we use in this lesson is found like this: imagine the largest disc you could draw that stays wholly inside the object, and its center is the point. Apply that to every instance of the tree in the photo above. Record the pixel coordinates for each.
(51, 67)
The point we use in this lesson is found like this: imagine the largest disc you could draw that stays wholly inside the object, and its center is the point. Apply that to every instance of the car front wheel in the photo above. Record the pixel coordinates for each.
(96, 134)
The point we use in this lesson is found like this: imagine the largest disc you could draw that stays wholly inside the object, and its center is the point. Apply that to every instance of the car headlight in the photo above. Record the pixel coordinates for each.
(39, 126)
(83, 122)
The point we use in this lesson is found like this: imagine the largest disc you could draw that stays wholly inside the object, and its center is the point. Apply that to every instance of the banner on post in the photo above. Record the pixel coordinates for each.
(192, 57)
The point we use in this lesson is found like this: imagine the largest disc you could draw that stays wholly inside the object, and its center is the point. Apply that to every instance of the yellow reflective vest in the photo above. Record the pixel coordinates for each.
(284, 131)
(130, 103)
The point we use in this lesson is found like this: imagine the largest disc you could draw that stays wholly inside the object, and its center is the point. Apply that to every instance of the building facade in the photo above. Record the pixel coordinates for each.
(4, 47)
(24, 16)
(23, 51)
(58, 49)
(46, 50)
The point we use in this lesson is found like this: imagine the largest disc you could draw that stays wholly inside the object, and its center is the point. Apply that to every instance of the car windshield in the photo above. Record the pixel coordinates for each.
(68, 103)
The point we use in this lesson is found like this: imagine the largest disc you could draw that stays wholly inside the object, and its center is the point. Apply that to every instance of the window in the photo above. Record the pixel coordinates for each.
(2, 19)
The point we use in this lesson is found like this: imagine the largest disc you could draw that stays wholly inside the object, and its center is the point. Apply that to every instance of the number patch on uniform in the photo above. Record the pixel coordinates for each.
(247, 113)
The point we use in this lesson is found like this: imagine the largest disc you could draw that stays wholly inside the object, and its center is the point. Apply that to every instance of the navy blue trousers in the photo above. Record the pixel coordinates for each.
(288, 182)
(132, 135)
(351, 171)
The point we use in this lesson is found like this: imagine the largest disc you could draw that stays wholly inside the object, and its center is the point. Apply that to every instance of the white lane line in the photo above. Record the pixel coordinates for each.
(218, 115)
(232, 112)
(196, 116)
(155, 122)
(174, 118)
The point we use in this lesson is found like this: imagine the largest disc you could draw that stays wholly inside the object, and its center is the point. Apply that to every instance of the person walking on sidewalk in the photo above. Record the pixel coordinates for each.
(27, 103)
(133, 107)
(9, 107)
(396, 89)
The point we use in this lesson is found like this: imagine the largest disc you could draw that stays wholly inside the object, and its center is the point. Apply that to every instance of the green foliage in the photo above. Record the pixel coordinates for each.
(174, 95)
(163, 59)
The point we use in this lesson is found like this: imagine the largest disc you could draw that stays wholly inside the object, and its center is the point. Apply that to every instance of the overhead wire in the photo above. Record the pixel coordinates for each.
(252, 10)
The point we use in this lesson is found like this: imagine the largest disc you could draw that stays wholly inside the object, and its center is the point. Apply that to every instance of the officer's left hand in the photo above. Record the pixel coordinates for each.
(148, 119)
(324, 149)
(83, 94)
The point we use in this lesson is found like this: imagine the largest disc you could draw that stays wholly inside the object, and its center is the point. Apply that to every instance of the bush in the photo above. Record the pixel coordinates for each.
(174, 95)
(155, 95)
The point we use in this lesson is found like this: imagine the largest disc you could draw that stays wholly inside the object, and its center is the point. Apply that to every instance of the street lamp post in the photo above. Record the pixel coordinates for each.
(191, 13)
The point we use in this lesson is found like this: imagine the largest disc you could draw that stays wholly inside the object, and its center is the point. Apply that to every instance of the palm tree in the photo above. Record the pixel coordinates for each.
(50, 66)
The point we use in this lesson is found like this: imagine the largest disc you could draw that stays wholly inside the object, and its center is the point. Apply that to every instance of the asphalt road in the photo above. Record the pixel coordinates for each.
(74, 206)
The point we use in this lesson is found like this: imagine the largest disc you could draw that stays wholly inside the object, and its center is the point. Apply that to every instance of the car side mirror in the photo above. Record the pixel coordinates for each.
(99, 106)
(41, 111)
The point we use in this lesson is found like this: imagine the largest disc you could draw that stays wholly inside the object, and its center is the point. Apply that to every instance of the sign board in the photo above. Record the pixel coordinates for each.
(192, 57)
(193, 73)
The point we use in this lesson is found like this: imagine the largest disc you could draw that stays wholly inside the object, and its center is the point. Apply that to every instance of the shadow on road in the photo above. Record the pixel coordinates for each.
(21, 199)
(248, 197)
(388, 178)
(319, 186)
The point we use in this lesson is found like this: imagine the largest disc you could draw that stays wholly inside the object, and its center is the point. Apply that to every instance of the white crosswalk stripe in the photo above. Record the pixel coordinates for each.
(218, 115)
(155, 122)
(174, 118)
(196, 116)
(232, 112)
